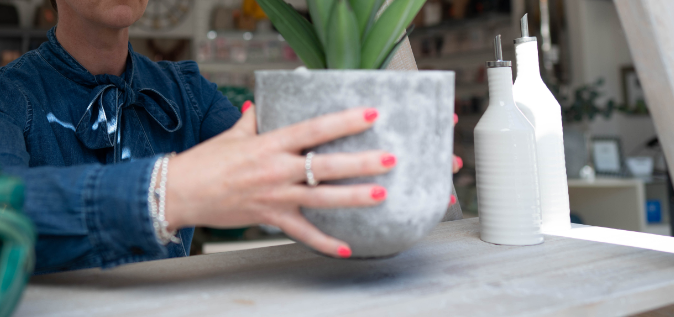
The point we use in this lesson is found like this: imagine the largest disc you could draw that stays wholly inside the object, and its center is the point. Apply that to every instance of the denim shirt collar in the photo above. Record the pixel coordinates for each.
(109, 96)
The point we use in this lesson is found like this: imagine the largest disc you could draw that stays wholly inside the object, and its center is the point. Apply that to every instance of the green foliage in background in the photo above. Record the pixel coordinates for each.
(584, 104)
(237, 95)
(639, 109)
(17, 241)
(346, 34)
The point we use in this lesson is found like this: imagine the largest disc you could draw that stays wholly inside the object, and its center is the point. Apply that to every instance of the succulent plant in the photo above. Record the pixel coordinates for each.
(346, 34)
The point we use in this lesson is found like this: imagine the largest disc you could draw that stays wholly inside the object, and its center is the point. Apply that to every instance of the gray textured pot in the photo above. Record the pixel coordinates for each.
(416, 111)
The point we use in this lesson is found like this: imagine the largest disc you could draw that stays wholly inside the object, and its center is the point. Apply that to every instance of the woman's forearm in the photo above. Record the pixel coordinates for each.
(90, 211)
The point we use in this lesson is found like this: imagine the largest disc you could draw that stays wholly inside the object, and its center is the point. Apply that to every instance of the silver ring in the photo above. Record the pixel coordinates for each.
(311, 181)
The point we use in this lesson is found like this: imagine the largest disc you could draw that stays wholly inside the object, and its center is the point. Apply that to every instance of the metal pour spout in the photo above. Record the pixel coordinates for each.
(498, 55)
(498, 49)
(524, 27)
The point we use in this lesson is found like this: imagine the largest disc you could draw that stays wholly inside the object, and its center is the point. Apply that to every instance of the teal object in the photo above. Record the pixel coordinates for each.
(17, 245)
(237, 95)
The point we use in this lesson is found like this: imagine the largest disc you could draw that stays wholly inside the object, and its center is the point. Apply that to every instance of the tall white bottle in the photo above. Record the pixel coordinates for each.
(538, 104)
(505, 157)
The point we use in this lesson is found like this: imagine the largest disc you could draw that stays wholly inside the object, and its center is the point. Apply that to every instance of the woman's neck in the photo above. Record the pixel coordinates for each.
(99, 49)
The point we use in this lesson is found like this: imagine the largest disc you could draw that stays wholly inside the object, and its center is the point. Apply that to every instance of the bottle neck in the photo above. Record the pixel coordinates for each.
(500, 85)
(527, 60)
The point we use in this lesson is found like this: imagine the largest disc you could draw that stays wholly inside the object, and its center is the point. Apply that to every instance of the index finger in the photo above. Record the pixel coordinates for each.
(324, 129)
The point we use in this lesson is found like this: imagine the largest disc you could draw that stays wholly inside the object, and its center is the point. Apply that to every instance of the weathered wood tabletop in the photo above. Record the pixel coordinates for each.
(450, 273)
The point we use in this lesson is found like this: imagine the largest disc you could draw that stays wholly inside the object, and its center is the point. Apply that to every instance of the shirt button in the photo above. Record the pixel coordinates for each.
(137, 251)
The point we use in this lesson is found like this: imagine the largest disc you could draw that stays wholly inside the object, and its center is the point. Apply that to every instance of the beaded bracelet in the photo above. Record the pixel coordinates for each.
(157, 202)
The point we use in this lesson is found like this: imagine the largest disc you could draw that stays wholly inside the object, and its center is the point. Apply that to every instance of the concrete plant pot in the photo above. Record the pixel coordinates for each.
(416, 111)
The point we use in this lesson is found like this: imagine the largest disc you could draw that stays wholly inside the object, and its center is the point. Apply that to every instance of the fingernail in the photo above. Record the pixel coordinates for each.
(344, 252)
(246, 106)
(456, 118)
(388, 160)
(459, 162)
(378, 193)
(371, 115)
(452, 200)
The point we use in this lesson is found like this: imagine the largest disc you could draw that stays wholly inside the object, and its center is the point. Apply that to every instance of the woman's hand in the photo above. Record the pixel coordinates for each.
(239, 178)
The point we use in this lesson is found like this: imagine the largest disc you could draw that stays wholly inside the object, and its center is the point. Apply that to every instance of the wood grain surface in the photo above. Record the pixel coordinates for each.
(450, 273)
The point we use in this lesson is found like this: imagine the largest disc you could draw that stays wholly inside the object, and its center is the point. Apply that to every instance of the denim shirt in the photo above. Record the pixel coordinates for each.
(85, 146)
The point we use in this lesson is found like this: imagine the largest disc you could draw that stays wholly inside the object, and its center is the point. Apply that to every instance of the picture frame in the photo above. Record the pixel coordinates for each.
(607, 156)
(634, 97)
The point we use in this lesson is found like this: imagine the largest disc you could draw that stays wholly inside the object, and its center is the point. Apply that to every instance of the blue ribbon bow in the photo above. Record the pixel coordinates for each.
(100, 128)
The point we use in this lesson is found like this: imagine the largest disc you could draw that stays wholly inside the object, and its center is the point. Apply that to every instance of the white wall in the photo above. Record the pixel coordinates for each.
(599, 50)
(598, 44)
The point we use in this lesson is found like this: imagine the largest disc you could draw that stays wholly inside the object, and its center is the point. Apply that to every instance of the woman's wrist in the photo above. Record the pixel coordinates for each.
(175, 208)
(172, 213)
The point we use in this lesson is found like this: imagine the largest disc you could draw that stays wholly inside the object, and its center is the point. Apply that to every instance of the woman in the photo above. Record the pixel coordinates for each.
(85, 122)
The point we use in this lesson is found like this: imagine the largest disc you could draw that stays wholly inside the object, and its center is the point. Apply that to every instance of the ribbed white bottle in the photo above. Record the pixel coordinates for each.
(505, 157)
(538, 104)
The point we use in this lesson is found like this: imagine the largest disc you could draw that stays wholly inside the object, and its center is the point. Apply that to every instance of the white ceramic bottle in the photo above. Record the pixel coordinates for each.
(505, 157)
(538, 104)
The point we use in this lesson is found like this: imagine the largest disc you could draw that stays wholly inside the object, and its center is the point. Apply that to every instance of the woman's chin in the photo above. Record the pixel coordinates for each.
(121, 17)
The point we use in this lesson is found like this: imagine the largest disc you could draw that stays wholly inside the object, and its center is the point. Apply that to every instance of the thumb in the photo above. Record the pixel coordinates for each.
(247, 125)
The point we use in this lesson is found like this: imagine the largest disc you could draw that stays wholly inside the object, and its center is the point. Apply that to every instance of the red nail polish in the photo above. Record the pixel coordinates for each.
(459, 162)
(378, 193)
(388, 160)
(371, 115)
(246, 106)
(344, 252)
(456, 118)
(452, 200)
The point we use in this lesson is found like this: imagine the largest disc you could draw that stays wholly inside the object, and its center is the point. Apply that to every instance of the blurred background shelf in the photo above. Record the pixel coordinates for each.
(19, 32)
(218, 247)
(22, 40)
(620, 203)
(246, 67)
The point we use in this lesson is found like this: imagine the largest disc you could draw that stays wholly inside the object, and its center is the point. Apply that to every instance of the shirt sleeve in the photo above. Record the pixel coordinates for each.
(92, 215)
(216, 112)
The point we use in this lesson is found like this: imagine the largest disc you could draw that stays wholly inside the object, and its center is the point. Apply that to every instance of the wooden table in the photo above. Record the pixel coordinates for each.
(450, 273)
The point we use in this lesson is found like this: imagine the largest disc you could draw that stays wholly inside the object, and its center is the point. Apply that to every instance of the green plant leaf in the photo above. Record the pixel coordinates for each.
(297, 31)
(320, 11)
(343, 38)
(366, 13)
(387, 30)
(395, 49)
